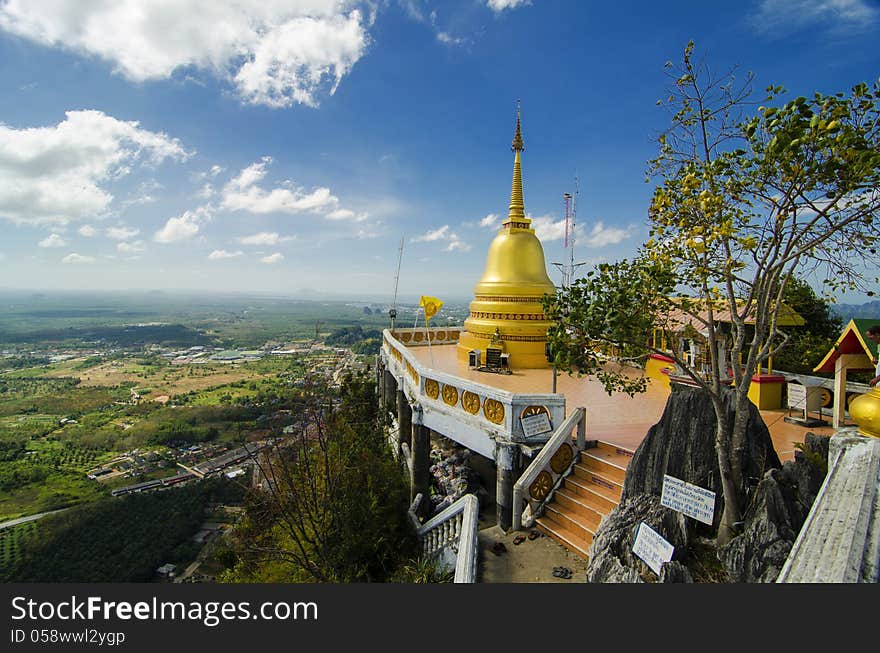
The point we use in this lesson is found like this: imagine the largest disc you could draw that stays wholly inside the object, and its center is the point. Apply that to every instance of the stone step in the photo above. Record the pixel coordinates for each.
(613, 448)
(609, 465)
(586, 475)
(596, 496)
(584, 507)
(578, 545)
(581, 526)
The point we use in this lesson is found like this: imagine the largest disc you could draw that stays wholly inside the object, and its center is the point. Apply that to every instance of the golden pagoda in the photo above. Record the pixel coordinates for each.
(506, 313)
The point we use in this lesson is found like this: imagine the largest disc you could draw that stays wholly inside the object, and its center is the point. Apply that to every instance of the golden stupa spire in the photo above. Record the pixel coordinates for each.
(517, 212)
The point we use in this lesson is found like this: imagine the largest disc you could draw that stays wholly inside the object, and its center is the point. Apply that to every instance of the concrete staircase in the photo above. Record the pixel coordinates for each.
(589, 493)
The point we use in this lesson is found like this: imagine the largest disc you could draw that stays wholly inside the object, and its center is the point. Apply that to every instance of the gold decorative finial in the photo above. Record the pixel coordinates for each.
(516, 213)
(517, 145)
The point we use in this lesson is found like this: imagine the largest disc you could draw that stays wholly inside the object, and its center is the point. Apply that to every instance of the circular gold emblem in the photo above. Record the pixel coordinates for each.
(541, 486)
(562, 458)
(493, 410)
(432, 388)
(471, 402)
(440, 335)
(405, 337)
(418, 336)
(534, 410)
(450, 394)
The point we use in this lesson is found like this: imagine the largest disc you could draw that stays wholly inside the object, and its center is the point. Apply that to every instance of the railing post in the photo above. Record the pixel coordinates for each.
(582, 430)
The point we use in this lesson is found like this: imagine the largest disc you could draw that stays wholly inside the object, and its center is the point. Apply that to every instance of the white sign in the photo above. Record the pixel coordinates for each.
(651, 547)
(536, 424)
(802, 397)
(691, 500)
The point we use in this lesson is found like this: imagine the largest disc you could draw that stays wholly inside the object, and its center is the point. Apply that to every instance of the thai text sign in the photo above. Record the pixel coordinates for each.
(536, 424)
(651, 547)
(691, 500)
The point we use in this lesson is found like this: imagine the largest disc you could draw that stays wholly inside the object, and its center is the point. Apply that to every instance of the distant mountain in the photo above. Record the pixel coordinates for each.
(869, 310)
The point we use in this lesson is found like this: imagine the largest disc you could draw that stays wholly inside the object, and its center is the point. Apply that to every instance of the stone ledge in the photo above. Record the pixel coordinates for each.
(840, 539)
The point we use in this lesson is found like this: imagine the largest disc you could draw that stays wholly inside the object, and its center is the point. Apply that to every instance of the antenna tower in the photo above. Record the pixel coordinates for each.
(392, 313)
(568, 269)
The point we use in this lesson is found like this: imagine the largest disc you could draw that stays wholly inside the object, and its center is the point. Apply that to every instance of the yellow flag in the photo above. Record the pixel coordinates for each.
(432, 305)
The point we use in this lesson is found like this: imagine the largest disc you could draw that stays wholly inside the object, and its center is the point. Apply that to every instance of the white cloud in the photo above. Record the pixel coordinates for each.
(501, 5)
(87, 230)
(547, 229)
(456, 244)
(443, 234)
(206, 192)
(180, 228)
(489, 221)
(219, 254)
(122, 232)
(275, 52)
(53, 240)
(77, 259)
(602, 236)
(59, 173)
(130, 248)
(272, 258)
(243, 194)
(440, 233)
(780, 17)
(263, 238)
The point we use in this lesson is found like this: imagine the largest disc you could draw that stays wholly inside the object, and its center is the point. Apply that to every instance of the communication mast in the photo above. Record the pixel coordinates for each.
(568, 269)
(392, 313)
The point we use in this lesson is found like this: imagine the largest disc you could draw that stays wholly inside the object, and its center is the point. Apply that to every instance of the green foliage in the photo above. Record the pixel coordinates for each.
(118, 539)
(336, 507)
(361, 341)
(423, 571)
(744, 204)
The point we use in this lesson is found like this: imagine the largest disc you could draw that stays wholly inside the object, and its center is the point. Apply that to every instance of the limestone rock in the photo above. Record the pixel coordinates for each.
(682, 444)
(611, 556)
(776, 514)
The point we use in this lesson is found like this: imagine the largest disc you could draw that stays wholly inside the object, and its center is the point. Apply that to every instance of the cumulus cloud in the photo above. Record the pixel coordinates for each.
(440, 233)
(59, 173)
(547, 229)
(602, 236)
(453, 242)
(489, 221)
(77, 259)
(275, 52)
(130, 248)
(779, 17)
(87, 230)
(53, 240)
(122, 232)
(220, 254)
(183, 227)
(243, 194)
(272, 258)
(501, 5)
(264, 238)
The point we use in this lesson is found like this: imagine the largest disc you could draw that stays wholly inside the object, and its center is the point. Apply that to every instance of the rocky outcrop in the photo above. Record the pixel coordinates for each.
(682, 444)
(775, 515)
(611, 556)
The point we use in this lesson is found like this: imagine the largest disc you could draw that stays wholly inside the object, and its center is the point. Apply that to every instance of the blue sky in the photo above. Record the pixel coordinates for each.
(275, 146)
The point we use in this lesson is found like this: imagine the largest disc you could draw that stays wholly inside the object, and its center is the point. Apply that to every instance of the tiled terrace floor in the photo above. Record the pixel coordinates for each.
(617, 418)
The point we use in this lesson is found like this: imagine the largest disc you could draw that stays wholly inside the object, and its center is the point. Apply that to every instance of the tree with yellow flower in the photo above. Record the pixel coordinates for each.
(749, 197)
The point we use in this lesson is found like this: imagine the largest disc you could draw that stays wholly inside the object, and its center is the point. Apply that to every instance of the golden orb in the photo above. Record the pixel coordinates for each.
(865, 411)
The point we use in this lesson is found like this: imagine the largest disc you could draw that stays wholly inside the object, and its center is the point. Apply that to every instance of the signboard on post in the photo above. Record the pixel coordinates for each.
(536, 424)
(652, 547)
(688, 499)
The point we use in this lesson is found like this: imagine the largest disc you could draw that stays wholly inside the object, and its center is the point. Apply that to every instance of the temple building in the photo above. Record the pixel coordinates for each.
(506, 318)
(559, 445)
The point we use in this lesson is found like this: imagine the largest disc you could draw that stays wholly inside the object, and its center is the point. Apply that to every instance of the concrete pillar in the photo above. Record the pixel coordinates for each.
(506, 474)
(389, 385)
(404, 420)
(421, 457)
(841, 365)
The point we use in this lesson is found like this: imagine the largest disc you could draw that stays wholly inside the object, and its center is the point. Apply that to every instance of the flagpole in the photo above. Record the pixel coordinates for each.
(428, 338)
